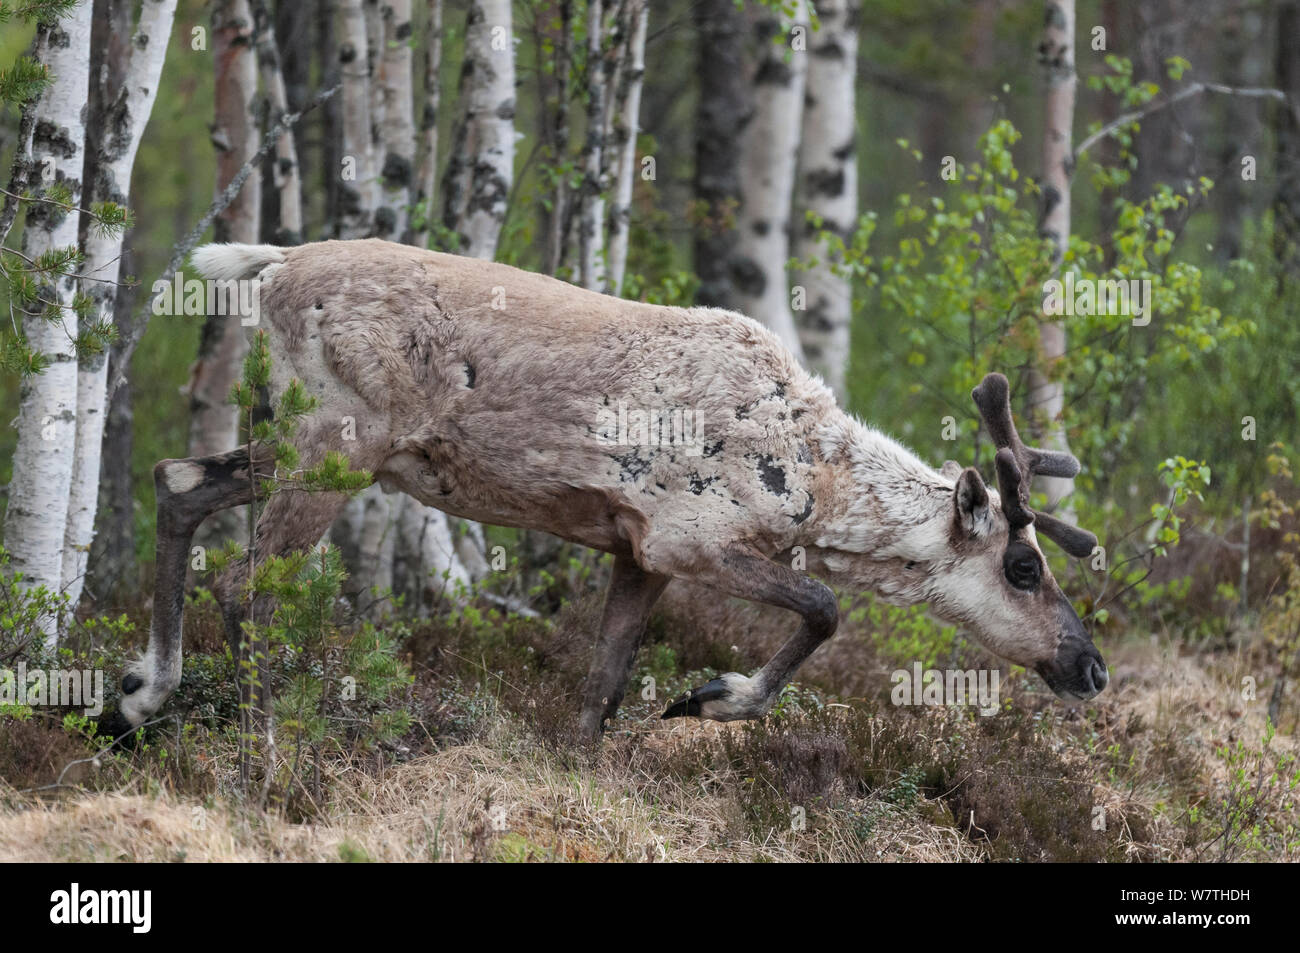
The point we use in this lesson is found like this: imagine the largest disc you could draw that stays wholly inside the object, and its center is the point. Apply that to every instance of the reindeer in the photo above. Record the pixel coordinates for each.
(487, 392)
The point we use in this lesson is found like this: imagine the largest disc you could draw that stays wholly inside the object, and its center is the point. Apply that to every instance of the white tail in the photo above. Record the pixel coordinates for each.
(226, 262)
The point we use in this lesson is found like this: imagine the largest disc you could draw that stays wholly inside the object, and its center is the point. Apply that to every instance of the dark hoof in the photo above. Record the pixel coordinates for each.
(689, 704)
(685, 706)
(131, 684)
(114, 725)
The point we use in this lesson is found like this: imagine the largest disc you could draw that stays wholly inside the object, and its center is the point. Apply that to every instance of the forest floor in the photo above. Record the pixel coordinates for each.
(1170, 763)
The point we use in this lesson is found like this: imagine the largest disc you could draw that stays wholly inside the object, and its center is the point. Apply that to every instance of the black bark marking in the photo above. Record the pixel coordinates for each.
(773, 72)
(825, 181)
(748, 277)
(397, 171)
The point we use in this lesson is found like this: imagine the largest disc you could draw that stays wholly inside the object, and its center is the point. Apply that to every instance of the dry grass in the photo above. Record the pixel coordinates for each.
(496, 780)
(497, 798)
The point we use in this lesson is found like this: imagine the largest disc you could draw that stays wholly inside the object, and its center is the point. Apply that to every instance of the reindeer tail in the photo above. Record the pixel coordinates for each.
(226, 262)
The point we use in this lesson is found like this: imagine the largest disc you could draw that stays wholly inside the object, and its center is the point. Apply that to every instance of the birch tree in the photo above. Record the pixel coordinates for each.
(285, 170)
(557, 215)
(1047, 396)
(397, 124)
(365, 523)
(480, 169)
(420, 537)
(828, 189)
(373, 16)
(122, 129)
(591, 224)
(427, 182)
(767, 169)
(357, 194)
(476, 188)
(626, 127)
(36, 518)
(388, 541)
(723, 108)
(214, 423)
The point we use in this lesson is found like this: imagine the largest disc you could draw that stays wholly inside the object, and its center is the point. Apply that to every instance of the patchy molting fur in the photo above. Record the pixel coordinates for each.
(479, 389)
(383, 333)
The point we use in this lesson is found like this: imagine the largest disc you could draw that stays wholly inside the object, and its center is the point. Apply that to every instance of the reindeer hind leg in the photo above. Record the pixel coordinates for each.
(632, 594)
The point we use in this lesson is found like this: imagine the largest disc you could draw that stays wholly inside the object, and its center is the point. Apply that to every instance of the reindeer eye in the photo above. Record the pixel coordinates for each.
(1021, 567)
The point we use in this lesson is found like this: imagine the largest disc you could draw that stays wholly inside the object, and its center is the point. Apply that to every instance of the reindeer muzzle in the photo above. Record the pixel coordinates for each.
(1077, 672)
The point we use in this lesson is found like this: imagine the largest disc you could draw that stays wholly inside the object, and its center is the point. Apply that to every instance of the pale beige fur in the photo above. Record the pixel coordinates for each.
(486, 391)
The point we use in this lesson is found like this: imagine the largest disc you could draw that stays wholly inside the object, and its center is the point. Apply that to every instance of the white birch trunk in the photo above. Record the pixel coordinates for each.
(591, 219)
(364, 538)
(285, 174)
(360, 528)
(477, 188)
(397, 129)
(374, 67)
(123, 130)
(558, 251)
(426, 195)
(767, 169)
(357, 194)
(388, 541)
(214, 427)
(627, 125)
(419, 560)
(214, 421)
(828, 187)
(1046, 396)
(47, 408)
(424, 552)
(481, 168)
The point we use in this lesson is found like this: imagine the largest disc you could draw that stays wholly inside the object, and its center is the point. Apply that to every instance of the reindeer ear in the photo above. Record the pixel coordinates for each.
(971, 502)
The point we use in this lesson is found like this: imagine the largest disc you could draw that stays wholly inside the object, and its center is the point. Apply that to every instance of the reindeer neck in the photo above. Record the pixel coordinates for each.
(888, 515)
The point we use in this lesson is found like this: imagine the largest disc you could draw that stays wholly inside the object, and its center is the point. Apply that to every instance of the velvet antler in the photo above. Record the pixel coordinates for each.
(1017, 464)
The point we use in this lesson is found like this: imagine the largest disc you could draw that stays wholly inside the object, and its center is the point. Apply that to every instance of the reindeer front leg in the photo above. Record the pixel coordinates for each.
(748, 575)
(188, 491)
(632, 593)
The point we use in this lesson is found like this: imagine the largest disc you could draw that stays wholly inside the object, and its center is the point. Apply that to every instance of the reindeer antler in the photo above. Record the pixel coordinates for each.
(1017, 464)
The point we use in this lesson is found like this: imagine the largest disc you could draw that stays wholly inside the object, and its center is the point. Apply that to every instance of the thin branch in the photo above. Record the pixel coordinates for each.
(63, 205)
(20, 170)
(1195, 89)
(219, 204)
(62, 274)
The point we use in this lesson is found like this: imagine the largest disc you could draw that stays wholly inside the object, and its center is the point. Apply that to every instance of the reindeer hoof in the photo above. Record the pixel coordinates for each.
(728, 697)
(114, 725)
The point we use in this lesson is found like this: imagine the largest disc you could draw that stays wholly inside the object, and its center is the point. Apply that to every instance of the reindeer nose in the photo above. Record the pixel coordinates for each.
(1092, 671)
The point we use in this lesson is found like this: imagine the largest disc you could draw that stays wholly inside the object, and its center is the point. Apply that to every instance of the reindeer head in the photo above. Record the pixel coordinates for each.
(999, 584)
